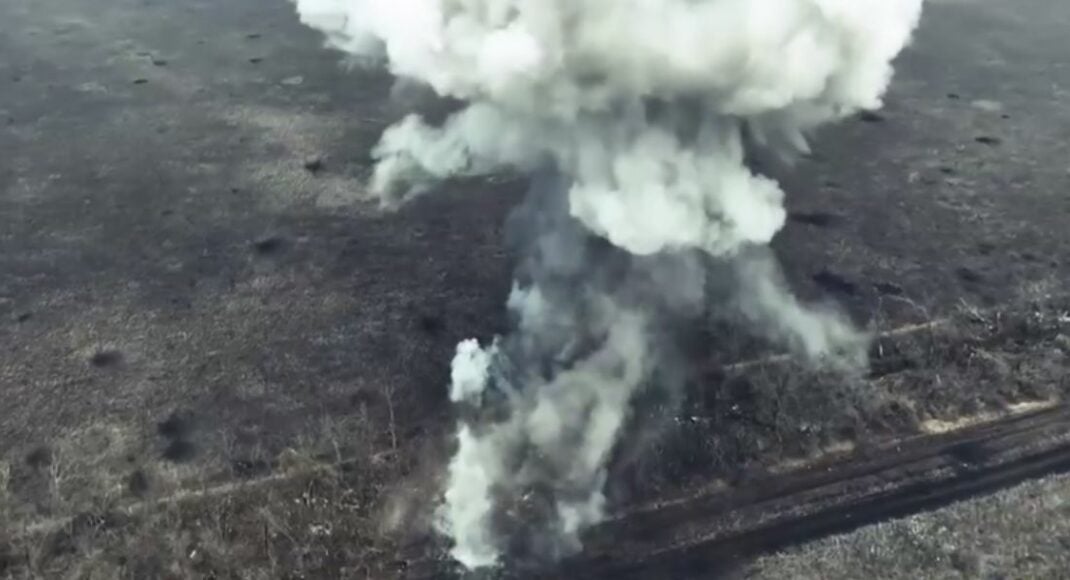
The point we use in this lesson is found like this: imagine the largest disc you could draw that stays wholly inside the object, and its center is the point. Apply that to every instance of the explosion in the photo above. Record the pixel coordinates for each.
(631, 117)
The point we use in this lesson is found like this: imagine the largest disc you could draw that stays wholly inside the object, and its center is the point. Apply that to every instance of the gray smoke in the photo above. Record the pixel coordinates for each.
(631, 116)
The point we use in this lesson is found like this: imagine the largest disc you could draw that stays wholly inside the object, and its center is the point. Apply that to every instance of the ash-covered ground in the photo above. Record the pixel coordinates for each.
(195, 292)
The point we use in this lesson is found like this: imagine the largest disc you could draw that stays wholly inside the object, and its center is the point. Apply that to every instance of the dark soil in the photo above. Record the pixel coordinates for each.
(220, 360)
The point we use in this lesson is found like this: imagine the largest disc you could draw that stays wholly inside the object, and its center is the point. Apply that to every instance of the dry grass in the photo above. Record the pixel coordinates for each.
(309, 519)
(99, 503)
(742, 420)
(348, 500)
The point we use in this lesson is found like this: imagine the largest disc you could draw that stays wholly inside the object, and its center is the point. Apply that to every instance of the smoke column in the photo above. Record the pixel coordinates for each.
(631, 117)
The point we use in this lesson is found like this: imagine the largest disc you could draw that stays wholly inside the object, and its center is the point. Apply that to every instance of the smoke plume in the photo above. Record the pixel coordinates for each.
(631, 116)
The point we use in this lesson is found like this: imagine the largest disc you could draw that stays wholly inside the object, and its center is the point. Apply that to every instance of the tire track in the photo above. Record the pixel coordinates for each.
(715, 533)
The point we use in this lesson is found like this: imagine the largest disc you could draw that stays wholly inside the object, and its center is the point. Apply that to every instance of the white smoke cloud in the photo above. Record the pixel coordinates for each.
(559, 433)
(641, 106)
(470, 370)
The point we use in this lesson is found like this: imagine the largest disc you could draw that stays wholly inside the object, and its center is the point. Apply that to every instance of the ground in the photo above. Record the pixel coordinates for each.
(962, 541)
(221, 359)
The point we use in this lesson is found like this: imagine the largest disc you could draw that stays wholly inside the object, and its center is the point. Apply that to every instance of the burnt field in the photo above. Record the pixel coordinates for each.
(220, 359)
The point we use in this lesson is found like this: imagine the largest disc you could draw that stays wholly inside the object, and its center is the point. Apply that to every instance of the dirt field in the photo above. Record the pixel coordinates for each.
(218, 359)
